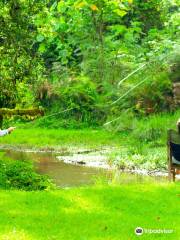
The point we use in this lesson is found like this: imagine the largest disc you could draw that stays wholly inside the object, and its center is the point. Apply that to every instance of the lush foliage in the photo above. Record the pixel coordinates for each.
(21, 175)
(90, 62)
(74, 54)
(20, 64)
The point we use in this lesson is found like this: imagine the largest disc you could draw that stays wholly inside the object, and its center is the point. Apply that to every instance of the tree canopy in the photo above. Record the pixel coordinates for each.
(87, 54)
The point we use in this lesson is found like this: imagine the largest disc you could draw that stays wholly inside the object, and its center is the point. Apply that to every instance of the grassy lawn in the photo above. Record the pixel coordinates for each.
(99, 212)
(148, 131)
(61, 138)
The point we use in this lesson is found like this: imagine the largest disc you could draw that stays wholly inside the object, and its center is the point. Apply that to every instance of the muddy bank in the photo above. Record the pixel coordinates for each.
(95, 158)
(101, 160)
(82, 169)
(72, 155)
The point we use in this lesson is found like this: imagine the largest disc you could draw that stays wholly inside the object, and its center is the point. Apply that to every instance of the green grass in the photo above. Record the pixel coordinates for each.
(99, 212)
(140, 143)
(58, 138)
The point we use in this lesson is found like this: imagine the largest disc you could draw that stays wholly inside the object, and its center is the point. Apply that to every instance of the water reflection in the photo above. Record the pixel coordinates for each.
(68, 175)
(64, 175)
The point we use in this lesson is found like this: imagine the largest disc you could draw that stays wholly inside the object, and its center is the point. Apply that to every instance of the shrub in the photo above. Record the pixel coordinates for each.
(21, 175)
(81, 96)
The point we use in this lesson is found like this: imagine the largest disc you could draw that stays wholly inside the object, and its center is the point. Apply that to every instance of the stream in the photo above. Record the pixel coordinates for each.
(70, 175)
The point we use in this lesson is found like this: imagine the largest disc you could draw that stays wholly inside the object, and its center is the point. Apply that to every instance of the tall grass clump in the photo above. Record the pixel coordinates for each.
(154, 128)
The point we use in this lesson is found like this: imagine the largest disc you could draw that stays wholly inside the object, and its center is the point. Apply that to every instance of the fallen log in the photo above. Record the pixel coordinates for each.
(34, 112)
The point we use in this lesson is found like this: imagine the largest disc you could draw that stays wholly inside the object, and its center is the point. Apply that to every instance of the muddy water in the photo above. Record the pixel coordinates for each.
(63, 174)
(69, 175)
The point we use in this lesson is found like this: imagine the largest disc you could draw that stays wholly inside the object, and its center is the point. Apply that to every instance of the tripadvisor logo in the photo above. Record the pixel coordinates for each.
(138, 231)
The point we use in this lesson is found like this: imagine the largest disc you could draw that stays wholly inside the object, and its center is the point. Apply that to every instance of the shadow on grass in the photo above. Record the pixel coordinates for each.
(99, 212)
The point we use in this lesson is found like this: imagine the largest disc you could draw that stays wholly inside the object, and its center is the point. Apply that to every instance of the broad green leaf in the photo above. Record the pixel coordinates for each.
(61, 7)
(53, 7)
(42, 47)
(118, 29)
(40, 38)
(130, 1)
(81, 4)
(120, 12)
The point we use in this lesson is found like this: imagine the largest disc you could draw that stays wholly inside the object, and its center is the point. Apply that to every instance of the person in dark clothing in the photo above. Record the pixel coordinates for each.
(176, 152)
(178, 125)
(176, 148)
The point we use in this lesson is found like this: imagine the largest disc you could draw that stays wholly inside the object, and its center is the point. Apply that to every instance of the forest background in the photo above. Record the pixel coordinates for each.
(103, 72)
(101, 60)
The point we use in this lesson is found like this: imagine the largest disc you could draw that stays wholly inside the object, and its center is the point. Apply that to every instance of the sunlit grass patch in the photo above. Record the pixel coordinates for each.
(99, 212)
(60, 137)
(16, 234)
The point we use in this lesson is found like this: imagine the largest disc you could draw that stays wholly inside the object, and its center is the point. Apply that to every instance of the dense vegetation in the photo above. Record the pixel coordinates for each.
(87, 64)
(77, 54)
(21, 175)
